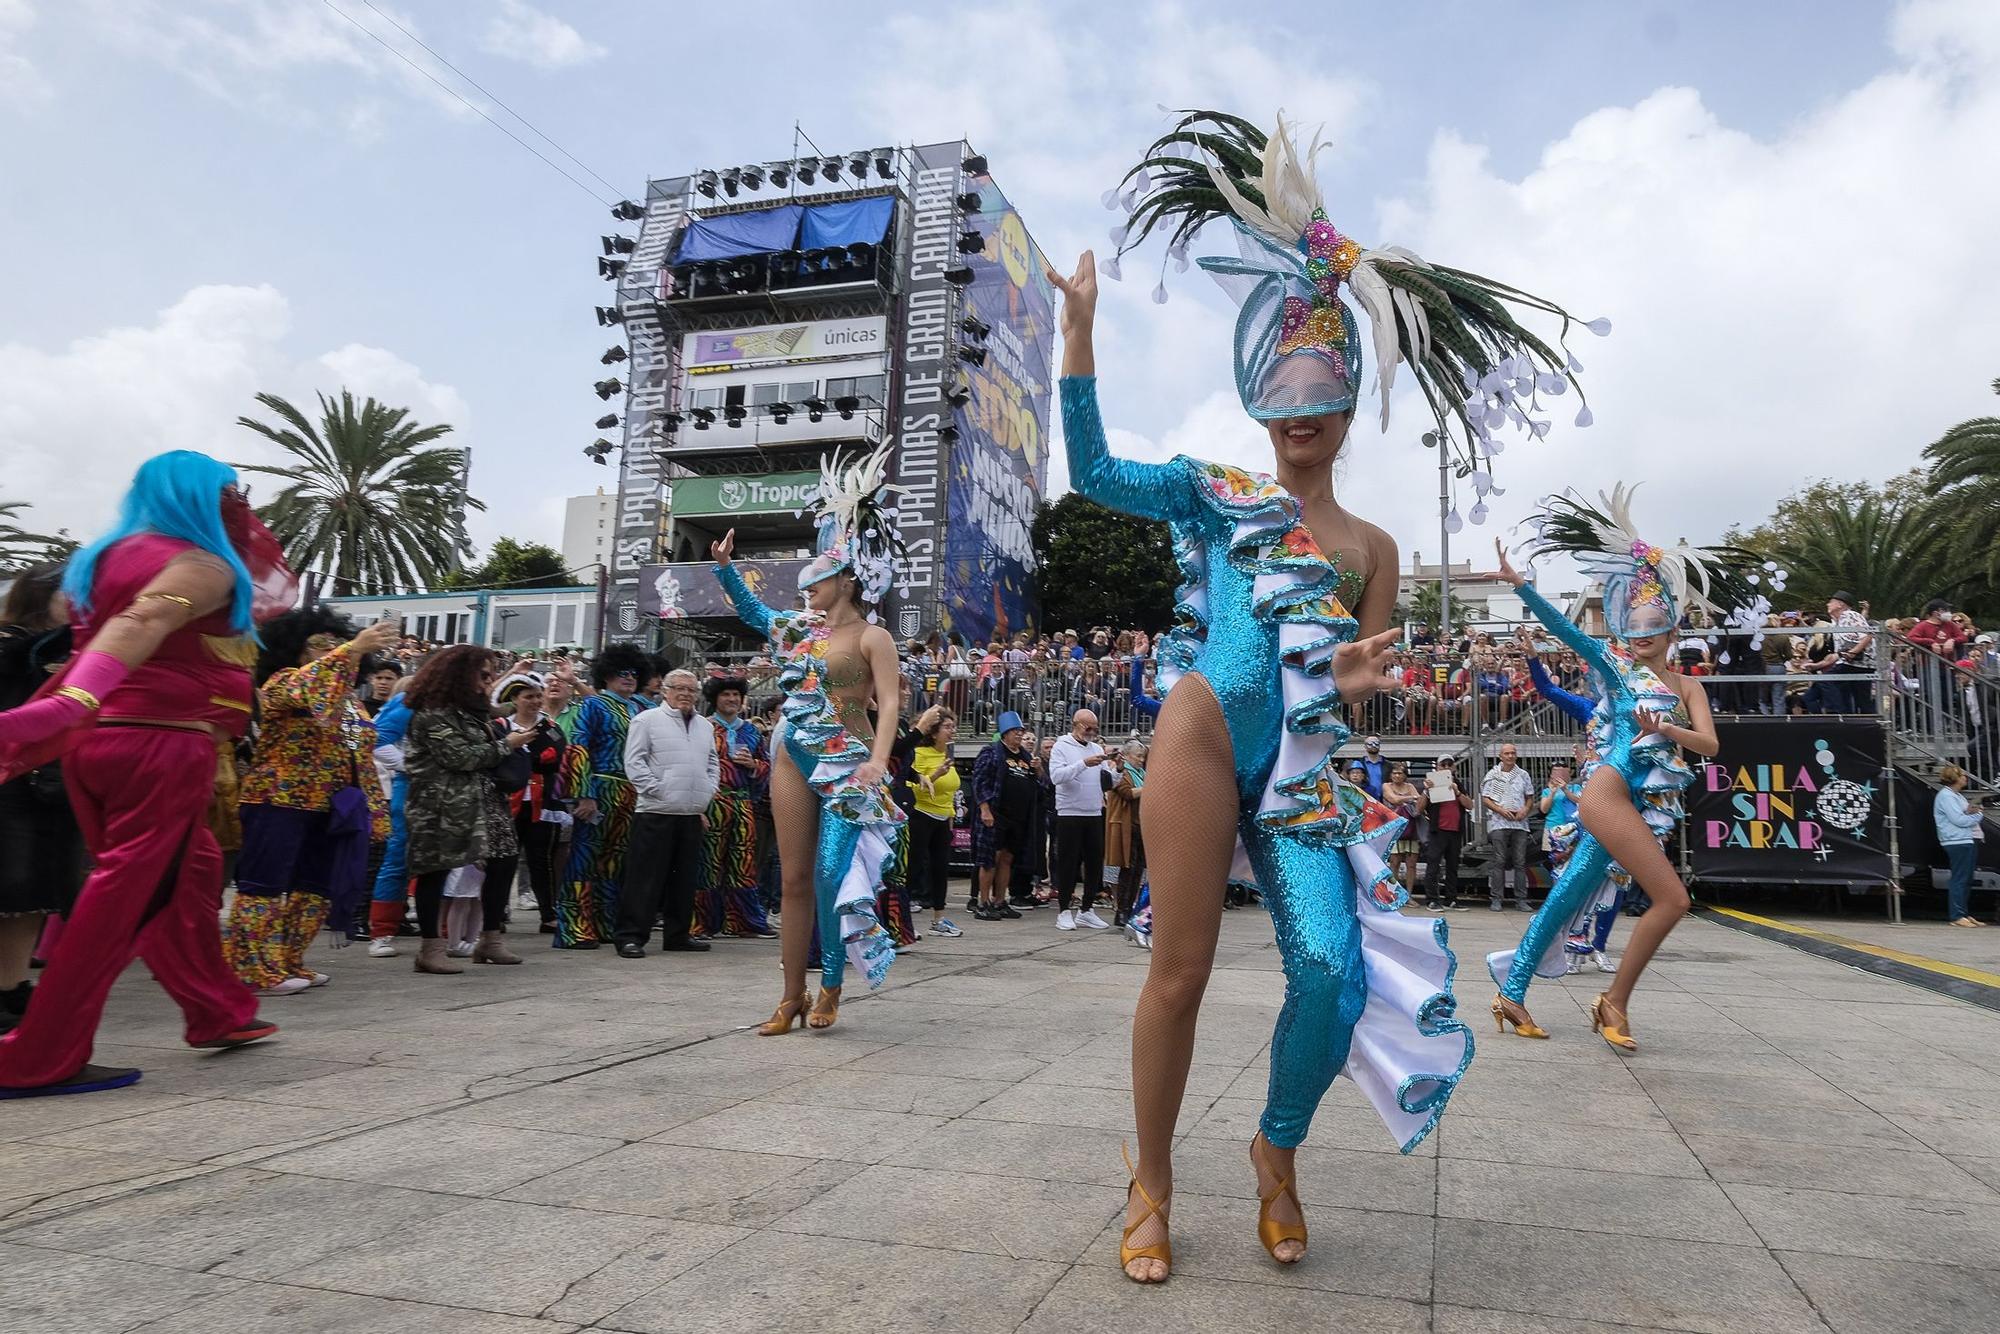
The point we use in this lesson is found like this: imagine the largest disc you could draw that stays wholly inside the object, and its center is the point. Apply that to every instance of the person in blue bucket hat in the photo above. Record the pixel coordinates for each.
(1005, 786)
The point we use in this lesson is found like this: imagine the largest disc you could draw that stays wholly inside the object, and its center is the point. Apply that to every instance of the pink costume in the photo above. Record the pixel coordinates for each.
(140, 783)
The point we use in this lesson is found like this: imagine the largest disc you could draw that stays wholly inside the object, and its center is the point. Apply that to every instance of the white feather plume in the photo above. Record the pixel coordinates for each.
(1290, 194)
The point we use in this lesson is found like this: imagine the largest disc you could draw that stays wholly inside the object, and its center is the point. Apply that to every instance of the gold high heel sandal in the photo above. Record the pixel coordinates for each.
(1506, 1012)
(1612, 1030)
(788, 1013)
(826, 1009)
(1162, 1251)
(1269, 1230)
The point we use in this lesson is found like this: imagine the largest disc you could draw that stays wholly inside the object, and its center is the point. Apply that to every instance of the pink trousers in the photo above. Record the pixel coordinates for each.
(141, 798)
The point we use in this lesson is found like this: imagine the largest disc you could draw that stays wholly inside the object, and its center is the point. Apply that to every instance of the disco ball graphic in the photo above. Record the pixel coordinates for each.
(1846, 805)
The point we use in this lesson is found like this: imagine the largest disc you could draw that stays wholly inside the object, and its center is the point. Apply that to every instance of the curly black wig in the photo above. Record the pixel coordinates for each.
(618, 658)
(284, 637)
(715, 685)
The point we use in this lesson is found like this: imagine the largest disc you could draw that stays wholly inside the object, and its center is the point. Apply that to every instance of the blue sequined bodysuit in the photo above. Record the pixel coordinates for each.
(1260, 614)
(859, 827)
(1654, 774)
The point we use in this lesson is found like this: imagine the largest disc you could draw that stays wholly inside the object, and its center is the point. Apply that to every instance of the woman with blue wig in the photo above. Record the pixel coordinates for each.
(1282, 618)
(164, 608)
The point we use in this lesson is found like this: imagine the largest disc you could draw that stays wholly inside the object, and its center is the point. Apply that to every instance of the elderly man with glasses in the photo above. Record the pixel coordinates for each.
(674, 767)
(1077, 772)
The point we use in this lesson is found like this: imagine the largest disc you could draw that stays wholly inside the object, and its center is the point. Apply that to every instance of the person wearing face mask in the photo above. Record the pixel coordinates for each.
(1646, 715)
(1288, 601)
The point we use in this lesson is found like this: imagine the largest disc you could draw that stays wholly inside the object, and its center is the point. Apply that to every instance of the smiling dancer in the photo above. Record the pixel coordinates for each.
(837, 827)
(1646, 714)
(164, 608)
(1283, 614)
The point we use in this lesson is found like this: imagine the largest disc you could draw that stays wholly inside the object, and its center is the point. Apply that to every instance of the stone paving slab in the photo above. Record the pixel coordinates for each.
(589, 1142)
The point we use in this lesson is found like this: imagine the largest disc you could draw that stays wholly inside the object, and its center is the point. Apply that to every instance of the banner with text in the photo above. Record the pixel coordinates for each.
(671, 592)
(770, 493)
(1792, 801)
(999, 465)
(776, 344)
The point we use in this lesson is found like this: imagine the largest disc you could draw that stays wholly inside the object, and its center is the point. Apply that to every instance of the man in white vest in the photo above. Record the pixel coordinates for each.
(674, 768)
(1077, 773)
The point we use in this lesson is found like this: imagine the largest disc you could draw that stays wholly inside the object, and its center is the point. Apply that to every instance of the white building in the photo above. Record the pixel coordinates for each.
(522, 619)
(589, 525)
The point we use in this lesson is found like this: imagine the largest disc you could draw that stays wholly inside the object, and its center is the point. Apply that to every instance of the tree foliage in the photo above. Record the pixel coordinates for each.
(369, 504)
(1889, 544)
(1965, 478)
(1428, 601)
(512, 564)
(21, 548)
(1099, 567)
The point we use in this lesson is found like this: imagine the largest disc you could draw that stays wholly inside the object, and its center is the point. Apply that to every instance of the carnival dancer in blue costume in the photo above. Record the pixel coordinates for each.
(837, 825)
(1646, 714)
(1282, 621)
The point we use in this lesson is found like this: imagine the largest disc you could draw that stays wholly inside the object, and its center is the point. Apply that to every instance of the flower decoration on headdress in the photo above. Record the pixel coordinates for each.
(1726, 581)
(1298, 345)
(858, 532)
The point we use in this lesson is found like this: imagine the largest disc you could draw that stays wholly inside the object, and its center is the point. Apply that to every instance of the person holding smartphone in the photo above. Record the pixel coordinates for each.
(1449, 806)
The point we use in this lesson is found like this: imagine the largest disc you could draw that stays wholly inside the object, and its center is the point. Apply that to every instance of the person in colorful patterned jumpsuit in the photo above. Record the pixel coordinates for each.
(593, 775)
(728, 904)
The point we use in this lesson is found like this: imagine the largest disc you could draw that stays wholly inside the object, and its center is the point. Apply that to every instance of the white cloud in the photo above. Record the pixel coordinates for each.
(76, 422)
(521, 32)
(1820, 301)
(20, 82)
(252, 53)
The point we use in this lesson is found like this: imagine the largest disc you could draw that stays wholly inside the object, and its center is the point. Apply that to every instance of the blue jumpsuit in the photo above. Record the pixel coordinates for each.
(1654, 773)
(858, 827)
(1367, 990)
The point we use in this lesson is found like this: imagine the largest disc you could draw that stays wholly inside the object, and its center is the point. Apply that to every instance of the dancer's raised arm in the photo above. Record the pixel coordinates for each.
(1568, 632)
(749, 608)
(1148, 490)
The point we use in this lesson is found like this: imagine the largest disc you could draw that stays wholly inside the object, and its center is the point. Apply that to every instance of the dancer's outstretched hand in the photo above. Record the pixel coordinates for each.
(1507, 570)
(1079, 310)
(720, 552)
(1361, 669)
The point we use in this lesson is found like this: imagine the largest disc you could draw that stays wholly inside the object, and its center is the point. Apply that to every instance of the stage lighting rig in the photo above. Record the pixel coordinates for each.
(703, 418)
(830, 168)
(598, 450)
(780, 413)
(731, 179)
(969, 202)
(753, 177)
(948, 434)
(627, 211)
(606, 422)
(857, 167)
(781, 174)
(606, 388)
(614, 353)
(958, 276)
(815, 409)
(618, 245)
(971, 243)
(975, 165)
(846, 405)
(734, 413)
(885, 163)
(609, 269)
(607, 315)
(807, 168)
(973, 356)
(960, 395)
(975, 327)
(705, 183)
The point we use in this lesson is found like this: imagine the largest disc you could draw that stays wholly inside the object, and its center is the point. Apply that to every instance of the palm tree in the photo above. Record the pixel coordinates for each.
(20, 548)
(1885, 546)
(1965, 477)
(368, 506)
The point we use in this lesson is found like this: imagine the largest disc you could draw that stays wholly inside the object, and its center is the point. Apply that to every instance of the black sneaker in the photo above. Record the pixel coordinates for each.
(1005, 911)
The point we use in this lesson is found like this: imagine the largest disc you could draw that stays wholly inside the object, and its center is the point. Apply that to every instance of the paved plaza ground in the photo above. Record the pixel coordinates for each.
(585, 1141)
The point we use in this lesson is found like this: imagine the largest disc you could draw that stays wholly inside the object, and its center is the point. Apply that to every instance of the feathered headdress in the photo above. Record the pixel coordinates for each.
(1298, 350)
(858, 532)
(1726, 581)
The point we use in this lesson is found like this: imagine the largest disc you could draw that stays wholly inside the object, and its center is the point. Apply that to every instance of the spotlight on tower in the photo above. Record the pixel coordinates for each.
(618, 245)
(609, 269)
(975, 165)
(607, 315)
(614, 353)
(606, 388)
(975, 326)
(969, 202)
(885, 162)
(627, 211)
(606, 422)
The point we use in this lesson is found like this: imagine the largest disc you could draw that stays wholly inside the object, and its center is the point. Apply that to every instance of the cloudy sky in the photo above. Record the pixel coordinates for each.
(1787, 209)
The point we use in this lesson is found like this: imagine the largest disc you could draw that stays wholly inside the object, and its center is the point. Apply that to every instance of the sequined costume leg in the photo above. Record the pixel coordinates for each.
(838, 839)
(1310, 892)
(1582, 877)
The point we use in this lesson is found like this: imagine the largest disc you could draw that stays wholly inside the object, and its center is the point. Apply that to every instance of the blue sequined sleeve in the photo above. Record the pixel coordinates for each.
(1578, 708)
(1572, 636)
(750, 609)
(1147, 490)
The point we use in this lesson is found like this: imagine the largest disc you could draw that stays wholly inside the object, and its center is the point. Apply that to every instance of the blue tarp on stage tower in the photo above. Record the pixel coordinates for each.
(760, 232)
(845, 224)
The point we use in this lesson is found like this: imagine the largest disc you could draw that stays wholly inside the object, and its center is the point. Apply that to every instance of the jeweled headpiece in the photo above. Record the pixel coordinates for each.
(858, 532)
(1727, 581)
(1298, 346)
